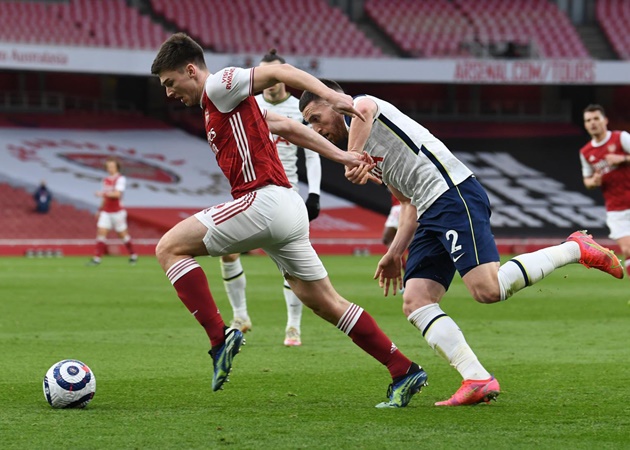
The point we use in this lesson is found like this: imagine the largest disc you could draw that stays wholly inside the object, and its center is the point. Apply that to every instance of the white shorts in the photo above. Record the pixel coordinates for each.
(113, 220)
(272, 218)
(394, 216)
(618, 223)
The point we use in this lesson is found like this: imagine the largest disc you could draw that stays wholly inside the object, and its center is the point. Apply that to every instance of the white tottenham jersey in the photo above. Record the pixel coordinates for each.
(286, 150)
(409, 157)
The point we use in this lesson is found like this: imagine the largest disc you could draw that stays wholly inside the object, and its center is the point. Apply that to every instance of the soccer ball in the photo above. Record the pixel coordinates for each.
(69, 384)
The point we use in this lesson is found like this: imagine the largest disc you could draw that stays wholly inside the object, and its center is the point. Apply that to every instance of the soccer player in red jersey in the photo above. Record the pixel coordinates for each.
(277, 100)
(266, 212)
(606, 164)
(111, 214)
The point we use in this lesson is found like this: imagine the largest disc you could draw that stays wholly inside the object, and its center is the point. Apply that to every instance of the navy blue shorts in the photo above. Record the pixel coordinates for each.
(453, 234)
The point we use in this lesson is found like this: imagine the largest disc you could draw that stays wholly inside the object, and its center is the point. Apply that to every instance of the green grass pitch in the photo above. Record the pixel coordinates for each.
(560, 350)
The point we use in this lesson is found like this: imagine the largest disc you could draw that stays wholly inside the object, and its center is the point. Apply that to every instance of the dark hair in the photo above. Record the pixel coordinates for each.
(113, 159)
(595, 107)
(308, 97)
(272, 56)
(177, 51)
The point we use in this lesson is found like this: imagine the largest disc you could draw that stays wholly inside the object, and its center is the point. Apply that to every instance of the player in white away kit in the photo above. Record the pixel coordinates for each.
(391, 223)
(605, 164)
(276, 99)
(445, 224)
(111, 214)
(266, 212)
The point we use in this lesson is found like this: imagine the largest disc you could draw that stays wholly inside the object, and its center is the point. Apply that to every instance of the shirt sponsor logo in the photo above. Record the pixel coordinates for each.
(228, 74)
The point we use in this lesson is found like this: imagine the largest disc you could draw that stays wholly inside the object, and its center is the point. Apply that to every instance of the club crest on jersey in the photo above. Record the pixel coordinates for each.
(612, 147)
(211, 135)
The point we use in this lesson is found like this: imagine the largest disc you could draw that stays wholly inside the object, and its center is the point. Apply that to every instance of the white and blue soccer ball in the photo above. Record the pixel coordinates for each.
(69, 384)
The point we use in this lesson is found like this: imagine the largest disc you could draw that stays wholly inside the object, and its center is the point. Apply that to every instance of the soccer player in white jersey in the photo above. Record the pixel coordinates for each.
(277, 99)
(112, 214)
(266, 211)
(445, 224)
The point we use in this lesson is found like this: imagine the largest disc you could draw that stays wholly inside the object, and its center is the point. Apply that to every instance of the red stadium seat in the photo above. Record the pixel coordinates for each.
(613, 17)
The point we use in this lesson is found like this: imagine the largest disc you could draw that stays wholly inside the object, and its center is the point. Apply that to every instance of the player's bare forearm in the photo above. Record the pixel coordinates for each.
(407, 224)
(303, 136)
(593, 181)
(269, 75)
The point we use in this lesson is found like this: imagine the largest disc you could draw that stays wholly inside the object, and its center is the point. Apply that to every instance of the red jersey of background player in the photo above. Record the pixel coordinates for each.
(113, 183)
(238, 133)
(615, 178)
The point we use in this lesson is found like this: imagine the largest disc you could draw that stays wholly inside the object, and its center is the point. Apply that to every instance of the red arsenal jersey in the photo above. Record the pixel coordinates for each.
(110, 184)
(615, 179)
(238, 133)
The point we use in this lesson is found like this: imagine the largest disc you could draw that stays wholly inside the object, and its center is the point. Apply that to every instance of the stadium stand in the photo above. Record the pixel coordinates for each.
(447, 29)
(63, 221)
(25, 231)
(538, 22)
(613, 17)
(79, 23)
(423, 29)
(246, 26)
(82, 119)
(65, 227)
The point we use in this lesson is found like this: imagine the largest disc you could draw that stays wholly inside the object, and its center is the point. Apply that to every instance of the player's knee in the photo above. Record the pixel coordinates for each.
(412, 302)
(486, 295)
(162, 250)
(230, 258)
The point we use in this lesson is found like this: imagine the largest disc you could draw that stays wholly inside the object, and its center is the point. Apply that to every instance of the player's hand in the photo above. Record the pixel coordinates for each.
(614, 159)
(312, 206)
(99, 194)
(343, 103)
(596, 179)
(389, 273)
(361, 175)
(358, 172)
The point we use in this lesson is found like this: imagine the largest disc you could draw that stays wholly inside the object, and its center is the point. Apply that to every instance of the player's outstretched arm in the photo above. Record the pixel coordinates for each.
(388, 271)
(358, 135)
(271, 74)
(303, 136)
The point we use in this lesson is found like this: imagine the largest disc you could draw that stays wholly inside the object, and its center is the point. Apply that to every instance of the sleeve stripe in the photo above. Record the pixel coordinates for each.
(251, 81)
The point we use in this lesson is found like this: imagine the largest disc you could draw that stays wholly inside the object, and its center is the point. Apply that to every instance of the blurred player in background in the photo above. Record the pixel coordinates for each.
(278, 100)
(391, 223)
(266, 211)
(606, 164)
(111, 214)
(390, 229)
(440, 193)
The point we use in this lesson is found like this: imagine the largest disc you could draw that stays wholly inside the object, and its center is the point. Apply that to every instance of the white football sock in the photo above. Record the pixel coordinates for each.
(294, 307)
(529, 268)
(235, 282)
(444, 336)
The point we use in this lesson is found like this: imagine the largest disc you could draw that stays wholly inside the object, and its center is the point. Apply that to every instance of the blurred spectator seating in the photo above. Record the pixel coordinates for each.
(93, 23)
(426, 29)
(613, 17)
(446, 29)
(19, 221)
(93, 120)
(310, 27)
